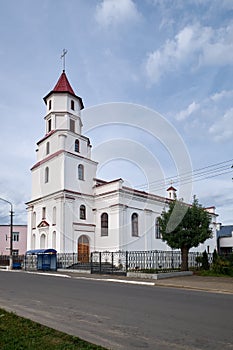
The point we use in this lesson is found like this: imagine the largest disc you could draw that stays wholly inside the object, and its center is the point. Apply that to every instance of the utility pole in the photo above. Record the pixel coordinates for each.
(11, 232)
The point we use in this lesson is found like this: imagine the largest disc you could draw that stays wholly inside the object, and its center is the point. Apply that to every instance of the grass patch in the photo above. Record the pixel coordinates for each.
(211, 273)
(19, 333)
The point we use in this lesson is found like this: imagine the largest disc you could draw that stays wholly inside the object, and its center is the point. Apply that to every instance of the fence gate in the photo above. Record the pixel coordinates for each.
(109, 263)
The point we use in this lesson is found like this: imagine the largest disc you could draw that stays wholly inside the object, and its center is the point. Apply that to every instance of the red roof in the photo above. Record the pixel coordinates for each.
(171, 189)
(63, 85)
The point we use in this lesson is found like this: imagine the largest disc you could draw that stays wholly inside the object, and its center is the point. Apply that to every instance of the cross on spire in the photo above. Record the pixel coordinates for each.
(64, 52)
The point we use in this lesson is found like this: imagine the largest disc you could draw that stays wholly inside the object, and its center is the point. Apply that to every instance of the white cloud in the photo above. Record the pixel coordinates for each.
(221, 95)
(185, 113)
(111, 12)
(222, 129)
(193, 47)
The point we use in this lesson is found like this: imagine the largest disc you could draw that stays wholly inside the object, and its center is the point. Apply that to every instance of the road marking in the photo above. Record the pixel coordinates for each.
(117, 280)
(48, 274)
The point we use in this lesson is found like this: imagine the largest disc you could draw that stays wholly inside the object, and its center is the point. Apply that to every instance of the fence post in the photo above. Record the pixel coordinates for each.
(126, 261)
(100, 262)
(112, 262)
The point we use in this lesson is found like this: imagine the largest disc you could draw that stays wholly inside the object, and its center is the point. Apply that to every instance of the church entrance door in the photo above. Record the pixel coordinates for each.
(83, 249)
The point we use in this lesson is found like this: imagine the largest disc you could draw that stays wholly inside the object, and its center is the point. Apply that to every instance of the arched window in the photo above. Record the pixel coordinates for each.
(72, 104)
(54, 215)
(104, 224)
(82, 212)
(134, 223)
(46, 175)
(47, 148)
(80, 172)
(54, 240)
(157, 229)
(76, 146)
(42, 241)
(34, 219)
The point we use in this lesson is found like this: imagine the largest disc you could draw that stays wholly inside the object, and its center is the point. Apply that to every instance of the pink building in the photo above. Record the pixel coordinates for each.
(19, 239)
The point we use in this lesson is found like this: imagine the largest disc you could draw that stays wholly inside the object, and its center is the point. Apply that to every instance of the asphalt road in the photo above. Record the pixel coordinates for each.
(122, 316)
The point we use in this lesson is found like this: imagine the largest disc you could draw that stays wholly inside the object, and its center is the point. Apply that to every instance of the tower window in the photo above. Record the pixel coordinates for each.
(72, 104)
(82, 212)
(46, 180)
(80, 172)
(134, 223)
(72, 125)
(104, 224)
(47, 148)
(76, 146)
(50, 104)
(49, 125)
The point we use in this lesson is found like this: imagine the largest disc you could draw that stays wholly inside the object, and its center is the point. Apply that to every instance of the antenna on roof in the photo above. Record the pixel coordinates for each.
(64, 52)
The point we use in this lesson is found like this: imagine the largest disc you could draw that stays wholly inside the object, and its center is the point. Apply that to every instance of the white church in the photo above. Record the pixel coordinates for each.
(74, 212)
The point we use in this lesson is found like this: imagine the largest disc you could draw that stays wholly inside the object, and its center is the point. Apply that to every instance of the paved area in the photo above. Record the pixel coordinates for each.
(194, 282)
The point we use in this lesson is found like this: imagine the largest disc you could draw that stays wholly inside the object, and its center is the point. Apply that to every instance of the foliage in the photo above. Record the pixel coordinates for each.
(215, 256)
(223, 264)
(185, 226)
(205, 261)
(22, 334)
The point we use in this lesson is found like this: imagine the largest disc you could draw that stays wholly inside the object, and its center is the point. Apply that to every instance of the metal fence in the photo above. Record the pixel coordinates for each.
(159, 261)
(72, 261)
(114, 262)
(18, 261)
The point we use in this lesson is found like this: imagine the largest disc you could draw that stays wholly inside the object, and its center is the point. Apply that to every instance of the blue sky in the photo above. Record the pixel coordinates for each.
(172, 57)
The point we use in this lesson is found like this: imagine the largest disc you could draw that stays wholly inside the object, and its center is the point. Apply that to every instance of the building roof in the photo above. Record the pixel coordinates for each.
(41, 251)
(225, 231)
(171, 188)
(63, 85)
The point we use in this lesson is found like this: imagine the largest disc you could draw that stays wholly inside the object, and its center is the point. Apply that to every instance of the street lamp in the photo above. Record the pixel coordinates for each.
(11, 231)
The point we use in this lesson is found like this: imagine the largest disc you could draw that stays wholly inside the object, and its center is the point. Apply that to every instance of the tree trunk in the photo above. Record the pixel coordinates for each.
(184, 258)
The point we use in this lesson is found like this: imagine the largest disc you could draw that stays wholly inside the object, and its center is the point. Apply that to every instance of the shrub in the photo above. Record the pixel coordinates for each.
(205, 261)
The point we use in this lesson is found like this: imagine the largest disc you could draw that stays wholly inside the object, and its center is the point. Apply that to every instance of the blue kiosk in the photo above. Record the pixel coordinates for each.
(41, 259)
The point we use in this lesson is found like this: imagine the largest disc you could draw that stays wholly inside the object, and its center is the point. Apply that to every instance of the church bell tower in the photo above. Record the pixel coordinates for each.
(63, 175)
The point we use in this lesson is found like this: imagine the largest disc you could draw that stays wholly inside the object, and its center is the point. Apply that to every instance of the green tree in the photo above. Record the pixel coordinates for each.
(185, 226)
(205, 261)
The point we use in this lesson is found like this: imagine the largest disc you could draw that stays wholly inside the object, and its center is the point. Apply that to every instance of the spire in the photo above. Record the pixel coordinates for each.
(63, 85)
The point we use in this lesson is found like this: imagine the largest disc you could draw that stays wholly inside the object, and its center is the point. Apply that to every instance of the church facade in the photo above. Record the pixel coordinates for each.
(74, 212)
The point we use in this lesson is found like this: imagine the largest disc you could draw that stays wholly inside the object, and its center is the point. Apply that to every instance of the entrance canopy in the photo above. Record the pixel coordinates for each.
(41, 251)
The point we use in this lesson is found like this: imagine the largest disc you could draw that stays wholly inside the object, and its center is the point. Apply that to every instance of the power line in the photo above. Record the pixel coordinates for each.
(199, 174)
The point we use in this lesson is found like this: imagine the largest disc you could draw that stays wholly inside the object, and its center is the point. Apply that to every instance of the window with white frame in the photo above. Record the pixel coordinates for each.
(134, 224)
(76, 146)
(82, 212)
(47, 148)
(46, 179)
(80, 172)
(104, 224)
(15, 236)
